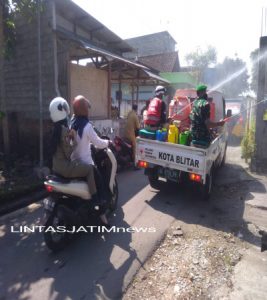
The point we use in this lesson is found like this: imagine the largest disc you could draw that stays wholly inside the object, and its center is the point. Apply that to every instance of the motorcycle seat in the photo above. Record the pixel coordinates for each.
(61, 179)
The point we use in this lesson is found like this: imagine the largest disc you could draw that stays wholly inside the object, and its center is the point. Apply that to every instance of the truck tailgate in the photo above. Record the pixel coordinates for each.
(174, 156)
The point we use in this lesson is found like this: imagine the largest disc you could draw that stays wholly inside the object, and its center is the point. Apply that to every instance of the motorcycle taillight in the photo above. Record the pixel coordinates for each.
(49, 188)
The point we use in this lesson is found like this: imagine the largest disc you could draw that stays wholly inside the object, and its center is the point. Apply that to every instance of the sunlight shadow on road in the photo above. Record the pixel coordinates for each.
(225, 209)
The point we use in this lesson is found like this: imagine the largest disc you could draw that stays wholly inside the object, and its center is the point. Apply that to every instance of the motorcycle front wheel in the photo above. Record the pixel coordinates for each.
(55, 235)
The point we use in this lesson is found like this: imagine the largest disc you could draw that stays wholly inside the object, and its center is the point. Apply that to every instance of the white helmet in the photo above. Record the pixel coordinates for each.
(59, 109)
(160, 90)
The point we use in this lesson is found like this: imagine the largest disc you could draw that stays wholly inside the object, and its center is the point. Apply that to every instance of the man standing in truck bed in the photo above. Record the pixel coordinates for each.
(156, 113)
(200, 119)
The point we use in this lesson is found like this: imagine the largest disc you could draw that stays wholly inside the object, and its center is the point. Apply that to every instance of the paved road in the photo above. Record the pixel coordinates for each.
(100, 267)
(92, 267)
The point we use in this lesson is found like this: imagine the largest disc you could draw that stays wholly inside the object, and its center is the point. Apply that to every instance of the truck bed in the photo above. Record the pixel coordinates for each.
(179, 157)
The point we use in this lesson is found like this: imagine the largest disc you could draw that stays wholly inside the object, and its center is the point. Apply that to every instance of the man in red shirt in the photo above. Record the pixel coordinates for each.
(156, 113)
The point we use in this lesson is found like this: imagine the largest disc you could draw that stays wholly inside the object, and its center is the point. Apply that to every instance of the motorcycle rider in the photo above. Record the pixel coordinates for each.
(132, 125)
(63, 145)
(156, 113)
(200, 118)
(84, 137)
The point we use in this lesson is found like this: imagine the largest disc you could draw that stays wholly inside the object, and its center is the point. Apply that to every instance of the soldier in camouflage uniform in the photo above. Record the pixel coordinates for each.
(200, 118)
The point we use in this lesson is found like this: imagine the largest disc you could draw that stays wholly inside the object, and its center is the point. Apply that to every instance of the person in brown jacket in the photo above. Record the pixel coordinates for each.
(132, 124)
(63, 145)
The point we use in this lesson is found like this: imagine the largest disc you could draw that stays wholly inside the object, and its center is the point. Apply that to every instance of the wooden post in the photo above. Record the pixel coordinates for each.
(132, 93)
(137, 88)
(109, 90)
(260, 162)
(137, 94)
(120, 95)
(40, 87)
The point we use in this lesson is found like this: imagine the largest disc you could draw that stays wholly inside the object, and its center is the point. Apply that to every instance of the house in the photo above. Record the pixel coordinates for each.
(40, 71)
(151, 44)
(156, 51)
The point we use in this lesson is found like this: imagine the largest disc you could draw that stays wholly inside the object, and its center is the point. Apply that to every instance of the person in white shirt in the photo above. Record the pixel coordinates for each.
(86, 136)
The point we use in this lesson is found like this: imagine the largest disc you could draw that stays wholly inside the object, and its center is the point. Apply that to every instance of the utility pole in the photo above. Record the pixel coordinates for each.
(40, 86)
(259, 163)
(3, 110)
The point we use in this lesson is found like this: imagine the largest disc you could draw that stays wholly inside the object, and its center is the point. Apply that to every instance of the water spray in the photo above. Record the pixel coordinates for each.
(230, 78)
(227, 118)
(241, 112)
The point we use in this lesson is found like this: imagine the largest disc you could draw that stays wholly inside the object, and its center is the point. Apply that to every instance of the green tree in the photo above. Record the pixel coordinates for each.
(255, 70)
(233, 76)
(201, 59)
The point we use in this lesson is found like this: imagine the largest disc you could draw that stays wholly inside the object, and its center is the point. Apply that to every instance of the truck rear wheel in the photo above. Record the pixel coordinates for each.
(206, 189)
(154, 181)
(224, 157)
(153, 178)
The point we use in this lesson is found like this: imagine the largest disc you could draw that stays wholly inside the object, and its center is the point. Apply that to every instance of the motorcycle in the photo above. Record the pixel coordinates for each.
(121, 147)
(69, 205)
(123, 152)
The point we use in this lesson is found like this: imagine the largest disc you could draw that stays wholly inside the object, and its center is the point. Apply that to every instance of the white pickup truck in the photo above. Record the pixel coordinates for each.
(176, 162)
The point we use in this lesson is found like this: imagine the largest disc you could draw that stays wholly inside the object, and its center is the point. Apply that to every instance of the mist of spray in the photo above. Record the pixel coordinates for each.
(238, 73)
(241, 112)
(230, 78)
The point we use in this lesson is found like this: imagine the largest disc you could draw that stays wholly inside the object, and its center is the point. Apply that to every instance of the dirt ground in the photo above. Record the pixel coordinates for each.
(196, 265)
(17, 180)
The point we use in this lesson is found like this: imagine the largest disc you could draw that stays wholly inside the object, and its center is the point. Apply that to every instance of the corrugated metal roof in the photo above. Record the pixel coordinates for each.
(129, 62)
(150, 74)
(78, 16)
(102, 52)
(88, 46)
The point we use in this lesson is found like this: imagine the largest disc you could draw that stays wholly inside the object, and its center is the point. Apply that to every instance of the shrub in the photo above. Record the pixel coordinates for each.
(248, 145)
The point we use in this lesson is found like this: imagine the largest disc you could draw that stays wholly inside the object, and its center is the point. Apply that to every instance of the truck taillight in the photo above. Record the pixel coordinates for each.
(49, 188)
(142, 164)
(195, 177)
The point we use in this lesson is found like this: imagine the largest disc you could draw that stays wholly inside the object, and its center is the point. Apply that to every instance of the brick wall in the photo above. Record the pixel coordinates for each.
(21, 81)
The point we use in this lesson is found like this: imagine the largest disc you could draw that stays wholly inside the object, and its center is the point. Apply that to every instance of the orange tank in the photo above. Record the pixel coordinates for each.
(212, 111)
(191, 93)
(180, 108)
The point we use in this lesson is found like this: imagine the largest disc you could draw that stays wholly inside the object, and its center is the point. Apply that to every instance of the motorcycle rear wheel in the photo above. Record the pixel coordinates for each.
(56, 241)
(114, 197)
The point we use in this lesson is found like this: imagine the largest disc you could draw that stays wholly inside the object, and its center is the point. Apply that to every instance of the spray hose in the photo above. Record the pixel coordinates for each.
(228, 118)
(225, 119)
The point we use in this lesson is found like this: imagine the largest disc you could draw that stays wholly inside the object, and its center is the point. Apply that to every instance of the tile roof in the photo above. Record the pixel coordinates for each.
(164, 62)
